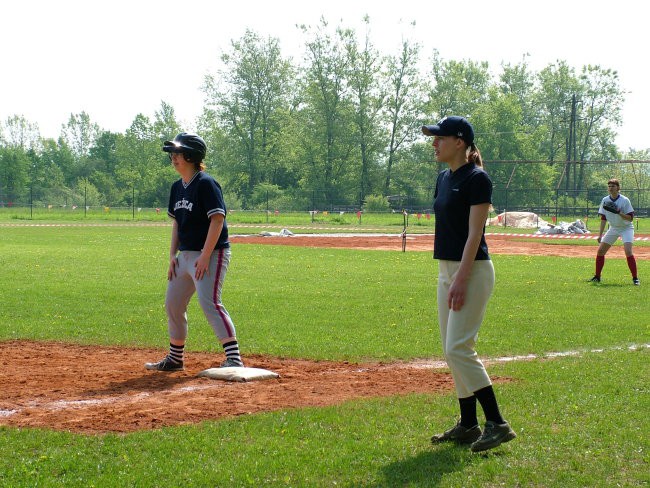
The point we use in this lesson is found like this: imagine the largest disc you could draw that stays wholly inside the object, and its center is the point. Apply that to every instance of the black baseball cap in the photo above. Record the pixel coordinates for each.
(451, 126)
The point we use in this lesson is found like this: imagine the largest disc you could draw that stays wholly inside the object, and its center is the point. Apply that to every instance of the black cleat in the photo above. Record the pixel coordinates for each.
(595, 279)
(494, 435)
(232, 363)
(459, 434)
(166, 364)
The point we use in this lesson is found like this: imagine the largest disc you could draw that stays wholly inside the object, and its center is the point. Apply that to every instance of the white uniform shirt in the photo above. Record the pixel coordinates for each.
(615, 220)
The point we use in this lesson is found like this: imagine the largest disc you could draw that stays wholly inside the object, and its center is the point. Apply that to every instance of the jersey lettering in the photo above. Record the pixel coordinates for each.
(183, 204)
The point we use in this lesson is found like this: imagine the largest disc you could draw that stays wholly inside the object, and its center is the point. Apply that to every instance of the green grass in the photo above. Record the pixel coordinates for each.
(107, 284)
(580, 422)
(347, 222)
(580, 419)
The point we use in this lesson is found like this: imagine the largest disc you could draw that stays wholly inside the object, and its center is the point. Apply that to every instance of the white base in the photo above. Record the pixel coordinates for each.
(238, 374)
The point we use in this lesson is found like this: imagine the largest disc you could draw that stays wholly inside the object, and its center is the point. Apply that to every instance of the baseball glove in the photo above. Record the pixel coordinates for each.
(610, 207)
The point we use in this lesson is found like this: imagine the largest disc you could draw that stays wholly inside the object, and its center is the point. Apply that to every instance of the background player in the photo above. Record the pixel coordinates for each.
(616, 209)
(199, 253)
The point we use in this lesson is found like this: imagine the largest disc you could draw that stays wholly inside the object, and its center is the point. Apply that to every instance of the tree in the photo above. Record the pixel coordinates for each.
(165, 125)
(364, 68)
(458, 87)
(14, 174)
(80, 134)
(557, 85)
(143, 167)
(326, 114)
(102, 162)
(18, 132)
(601, 102)
(404, 104)
(246, 103)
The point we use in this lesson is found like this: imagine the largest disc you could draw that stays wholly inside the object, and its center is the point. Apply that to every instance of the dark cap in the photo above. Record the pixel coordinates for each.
(451, 126)
(186, 143)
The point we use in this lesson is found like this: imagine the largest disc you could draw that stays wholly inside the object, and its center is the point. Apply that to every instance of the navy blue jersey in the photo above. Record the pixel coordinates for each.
(455, 193)
(192, 205)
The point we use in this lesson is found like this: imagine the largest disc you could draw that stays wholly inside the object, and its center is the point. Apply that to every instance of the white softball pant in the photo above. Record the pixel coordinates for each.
(459, 329)
(208, 290)
(612, 234)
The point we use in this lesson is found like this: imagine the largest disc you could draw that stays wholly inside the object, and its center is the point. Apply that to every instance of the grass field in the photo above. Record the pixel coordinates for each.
(581, 420)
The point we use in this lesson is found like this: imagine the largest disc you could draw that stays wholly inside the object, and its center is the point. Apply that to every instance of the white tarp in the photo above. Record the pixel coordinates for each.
(282, 233)
(577, 227)
(521, 220)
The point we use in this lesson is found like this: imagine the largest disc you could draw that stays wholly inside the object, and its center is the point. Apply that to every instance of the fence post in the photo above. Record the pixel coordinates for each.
(505, 210)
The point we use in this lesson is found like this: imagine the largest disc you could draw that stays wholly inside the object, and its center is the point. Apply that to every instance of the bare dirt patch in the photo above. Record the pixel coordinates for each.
(94, 389)
(498, 244)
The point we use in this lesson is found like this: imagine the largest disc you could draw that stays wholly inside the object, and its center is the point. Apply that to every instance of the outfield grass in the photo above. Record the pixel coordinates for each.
(343, 222)
(580, 419)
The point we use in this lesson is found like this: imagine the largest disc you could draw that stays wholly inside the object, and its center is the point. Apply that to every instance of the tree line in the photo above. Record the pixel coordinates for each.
(340, 126)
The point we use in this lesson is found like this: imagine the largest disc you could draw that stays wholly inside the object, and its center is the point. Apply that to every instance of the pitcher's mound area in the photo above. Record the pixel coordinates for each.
(93, 389)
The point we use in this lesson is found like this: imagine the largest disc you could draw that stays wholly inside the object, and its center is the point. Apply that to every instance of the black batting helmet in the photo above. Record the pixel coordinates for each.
(187, 143)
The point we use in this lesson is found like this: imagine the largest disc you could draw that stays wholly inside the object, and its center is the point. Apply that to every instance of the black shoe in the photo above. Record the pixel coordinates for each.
(494, 435)
(595, 279)
(232, 363)
(459, 434)
(166, 364)
(636, 281)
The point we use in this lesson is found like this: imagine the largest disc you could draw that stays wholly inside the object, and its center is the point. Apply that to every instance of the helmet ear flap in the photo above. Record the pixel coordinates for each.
(192, 157)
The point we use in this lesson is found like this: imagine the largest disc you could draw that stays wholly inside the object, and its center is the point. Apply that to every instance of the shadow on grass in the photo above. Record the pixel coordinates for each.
(428, 468)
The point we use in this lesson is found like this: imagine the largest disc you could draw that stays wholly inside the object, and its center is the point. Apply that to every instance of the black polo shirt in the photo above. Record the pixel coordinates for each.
(192, 205)
(455, 193)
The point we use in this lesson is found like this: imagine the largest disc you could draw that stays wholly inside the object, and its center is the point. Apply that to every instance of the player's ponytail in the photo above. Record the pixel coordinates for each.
(474, 155)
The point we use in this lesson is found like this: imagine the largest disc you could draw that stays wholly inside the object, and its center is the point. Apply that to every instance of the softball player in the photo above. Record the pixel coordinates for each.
(199, 253)
(616, 210)
(463, 196)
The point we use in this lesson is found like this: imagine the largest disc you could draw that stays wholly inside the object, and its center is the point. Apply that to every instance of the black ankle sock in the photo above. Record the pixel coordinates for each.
(468, 412)
(488, 402)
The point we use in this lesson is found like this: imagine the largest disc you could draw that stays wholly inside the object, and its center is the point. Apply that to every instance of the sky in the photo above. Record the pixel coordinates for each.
(115, 59)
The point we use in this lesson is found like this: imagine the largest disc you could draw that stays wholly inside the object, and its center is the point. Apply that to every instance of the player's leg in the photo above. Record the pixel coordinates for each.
(466, 429)
(463, 326)
(462, 334)
(605, 243)
(209, 294)
(628, 238)
(179, 292)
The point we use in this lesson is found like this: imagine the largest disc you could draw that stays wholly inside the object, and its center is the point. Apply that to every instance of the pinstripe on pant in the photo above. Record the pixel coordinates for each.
(208, 290)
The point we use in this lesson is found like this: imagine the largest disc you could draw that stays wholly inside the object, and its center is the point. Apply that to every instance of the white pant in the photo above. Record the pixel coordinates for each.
(208, 290)
(613, 233)
(459, 329)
